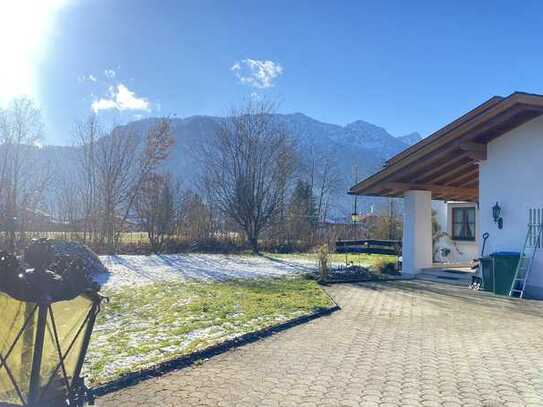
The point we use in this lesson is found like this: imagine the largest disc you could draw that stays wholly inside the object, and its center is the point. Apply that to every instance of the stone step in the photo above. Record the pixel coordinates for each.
(455, 277)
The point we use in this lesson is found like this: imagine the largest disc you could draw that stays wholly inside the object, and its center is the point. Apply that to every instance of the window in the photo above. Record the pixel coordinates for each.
(463, 224)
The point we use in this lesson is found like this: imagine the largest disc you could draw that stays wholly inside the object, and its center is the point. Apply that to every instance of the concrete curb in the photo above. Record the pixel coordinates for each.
(188, 360)
(362, 280)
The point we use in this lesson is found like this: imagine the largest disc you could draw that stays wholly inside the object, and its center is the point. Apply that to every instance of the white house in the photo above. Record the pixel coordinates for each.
(491, 155)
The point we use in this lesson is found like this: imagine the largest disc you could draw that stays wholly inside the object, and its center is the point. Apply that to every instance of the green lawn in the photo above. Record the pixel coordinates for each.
(142, 326)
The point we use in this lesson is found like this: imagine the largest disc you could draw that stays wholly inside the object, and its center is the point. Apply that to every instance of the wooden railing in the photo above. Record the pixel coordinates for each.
(370, 246)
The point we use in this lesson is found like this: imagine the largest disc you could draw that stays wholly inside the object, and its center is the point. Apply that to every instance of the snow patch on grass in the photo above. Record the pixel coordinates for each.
(137, 269)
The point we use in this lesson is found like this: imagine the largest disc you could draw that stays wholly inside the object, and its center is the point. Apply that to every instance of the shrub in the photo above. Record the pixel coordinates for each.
(385, 266)
(324, 255)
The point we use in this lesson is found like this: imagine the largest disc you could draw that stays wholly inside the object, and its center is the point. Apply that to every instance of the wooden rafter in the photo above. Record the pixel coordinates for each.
(439, 189)
(464, 178)
(446, 176)
(469, 183)
(476, 151)
(440, 168)
(451, 179)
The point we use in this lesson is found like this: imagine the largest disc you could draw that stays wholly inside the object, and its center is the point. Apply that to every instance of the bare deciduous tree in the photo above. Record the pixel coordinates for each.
(21, 184)
(249, 165)
(302, 216)
(87, 135)
(196, 223)
(156, 208)
(113, 168)
(324, 179)
(67, 205)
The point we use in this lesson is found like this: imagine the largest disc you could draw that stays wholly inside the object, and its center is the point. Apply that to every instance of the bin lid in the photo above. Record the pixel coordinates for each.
(505, 253)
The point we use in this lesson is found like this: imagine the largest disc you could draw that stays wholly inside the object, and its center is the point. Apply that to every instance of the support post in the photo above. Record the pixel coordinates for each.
(417, 232)
(34, 388)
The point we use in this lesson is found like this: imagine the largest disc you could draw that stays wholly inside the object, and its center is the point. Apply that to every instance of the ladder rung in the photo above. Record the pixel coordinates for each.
(526, 259)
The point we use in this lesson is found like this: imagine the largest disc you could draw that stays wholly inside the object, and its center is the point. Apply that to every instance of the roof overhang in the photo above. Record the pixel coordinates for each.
(447, 162)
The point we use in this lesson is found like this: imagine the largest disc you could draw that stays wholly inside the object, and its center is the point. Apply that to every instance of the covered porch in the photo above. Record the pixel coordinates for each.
(445, 167)
(419, 255)
(451, 176)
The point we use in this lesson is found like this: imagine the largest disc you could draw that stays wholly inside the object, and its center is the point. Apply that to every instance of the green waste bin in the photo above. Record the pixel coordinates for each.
(504, 268)
(487, 273)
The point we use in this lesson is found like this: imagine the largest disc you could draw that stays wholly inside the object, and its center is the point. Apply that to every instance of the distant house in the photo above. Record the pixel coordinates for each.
(485, 168)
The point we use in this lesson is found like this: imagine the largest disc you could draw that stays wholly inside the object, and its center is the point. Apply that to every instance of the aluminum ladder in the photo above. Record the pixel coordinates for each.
(526, 260)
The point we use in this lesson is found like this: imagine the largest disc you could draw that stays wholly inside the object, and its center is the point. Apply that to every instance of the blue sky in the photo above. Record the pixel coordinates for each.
(404, 65)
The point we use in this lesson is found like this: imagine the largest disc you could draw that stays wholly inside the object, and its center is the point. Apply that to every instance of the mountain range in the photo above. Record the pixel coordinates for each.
(352, 152)
(355, 150)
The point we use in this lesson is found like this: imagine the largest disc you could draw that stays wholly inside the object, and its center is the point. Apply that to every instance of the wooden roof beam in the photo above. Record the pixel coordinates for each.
(453, 180)
(437, 157)
(459, 171)
(473, 196)
(472, 182)
(438, 169)
(475, 151)
(463, 179)
(440, 189)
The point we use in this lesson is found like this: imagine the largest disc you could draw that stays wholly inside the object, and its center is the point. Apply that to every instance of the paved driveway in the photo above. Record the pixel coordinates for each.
(393, 344)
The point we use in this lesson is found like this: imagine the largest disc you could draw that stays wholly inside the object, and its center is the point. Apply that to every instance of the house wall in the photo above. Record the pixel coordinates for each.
(511, 175)
(440, 210)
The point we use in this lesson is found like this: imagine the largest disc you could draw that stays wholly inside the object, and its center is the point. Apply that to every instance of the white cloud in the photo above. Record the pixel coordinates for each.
(121, 98)
(257, 73)
(103, 104)
(110, 73)
(128, 100)
(85, 78)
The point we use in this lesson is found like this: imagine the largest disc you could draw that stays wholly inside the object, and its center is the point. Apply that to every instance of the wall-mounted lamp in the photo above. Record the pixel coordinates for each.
(496, 214)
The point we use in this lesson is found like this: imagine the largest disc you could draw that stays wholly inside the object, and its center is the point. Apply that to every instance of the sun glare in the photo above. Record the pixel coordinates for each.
(24, 28)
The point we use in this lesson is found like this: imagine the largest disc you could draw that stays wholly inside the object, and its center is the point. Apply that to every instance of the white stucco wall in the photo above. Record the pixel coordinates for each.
(511, 175)
(440, 208)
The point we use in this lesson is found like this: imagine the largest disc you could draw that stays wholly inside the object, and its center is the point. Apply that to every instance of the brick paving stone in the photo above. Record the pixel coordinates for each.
(408, 343)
